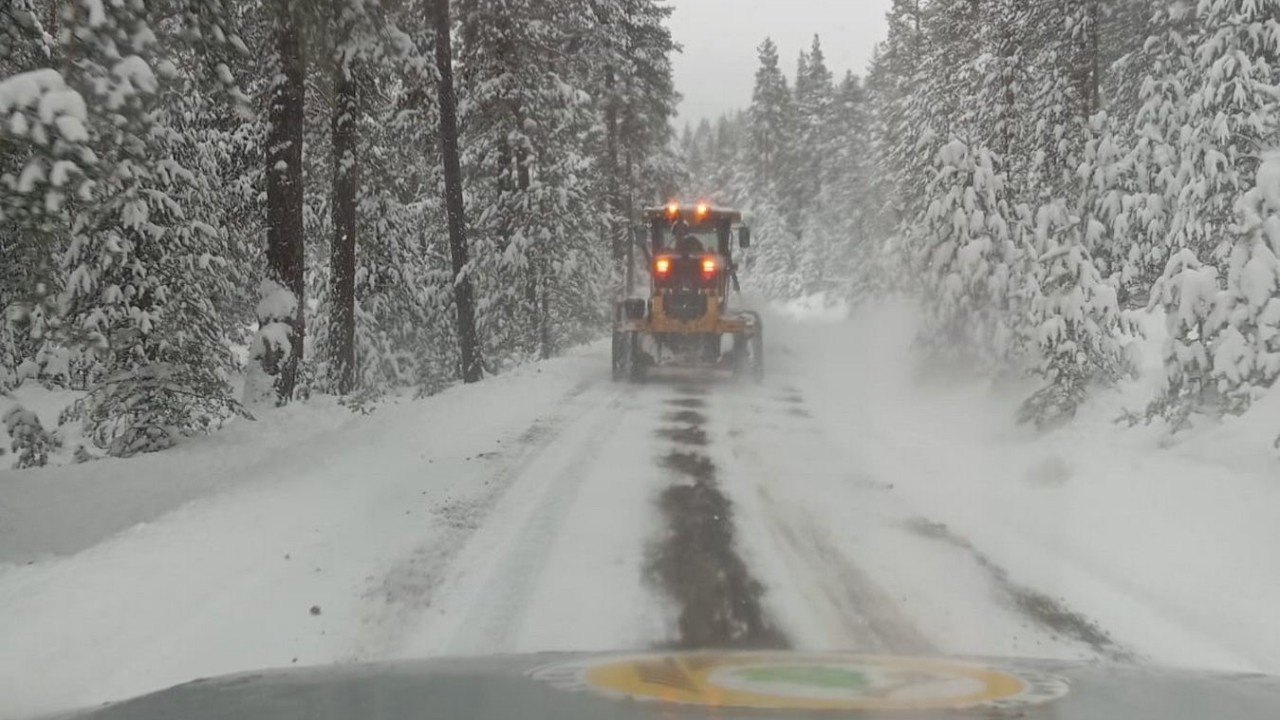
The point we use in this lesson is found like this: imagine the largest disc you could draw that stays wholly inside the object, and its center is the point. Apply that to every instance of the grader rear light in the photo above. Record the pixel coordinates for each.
(673, 211)
(702, 210)
(662, 266)
(708, 267)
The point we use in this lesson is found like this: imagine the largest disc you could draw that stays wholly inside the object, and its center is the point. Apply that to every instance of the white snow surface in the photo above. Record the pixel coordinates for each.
(884, 509)
(24, 89)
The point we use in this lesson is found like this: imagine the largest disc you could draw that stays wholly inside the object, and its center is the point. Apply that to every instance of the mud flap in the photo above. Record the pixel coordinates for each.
(629, 360)
(748, 351)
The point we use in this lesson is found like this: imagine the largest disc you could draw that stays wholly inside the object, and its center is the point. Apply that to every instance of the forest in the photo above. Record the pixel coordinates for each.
(209, 206)
(1038, 173)
(347, 197)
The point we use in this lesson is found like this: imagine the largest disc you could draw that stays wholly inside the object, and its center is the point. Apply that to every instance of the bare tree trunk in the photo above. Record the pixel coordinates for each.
(538, 336)
(346, 183)
(629, 210)
(285, 252)
(617, 226)
(464, 301)
(1085, 51)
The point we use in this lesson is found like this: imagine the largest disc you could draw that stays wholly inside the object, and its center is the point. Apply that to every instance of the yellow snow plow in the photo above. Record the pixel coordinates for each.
(686, 318)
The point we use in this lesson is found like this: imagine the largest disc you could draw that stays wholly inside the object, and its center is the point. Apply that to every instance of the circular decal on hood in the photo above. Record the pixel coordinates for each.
(777, 681)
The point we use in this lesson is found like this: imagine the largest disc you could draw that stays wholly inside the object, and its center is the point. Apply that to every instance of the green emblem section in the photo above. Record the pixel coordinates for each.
(824, 676)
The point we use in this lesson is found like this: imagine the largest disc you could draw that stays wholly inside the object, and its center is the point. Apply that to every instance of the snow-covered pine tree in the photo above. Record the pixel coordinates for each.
(844, 210)
(1188, 291)
(1223, 349)
(1069, 318)
(896, 78)
(1154, 151)
(1066, 87)
(351, 25)
(537, 248)
(1124, 34)
(812, 168)
(1233, 114)
(277, 349)
(767, 157)
(947, 78)
(379, 105)
(28, 439)
(25, 45)
(132, 317)
(939, 110)
(966, 261)
(631, 66)
(1003, 87)
(882, 204)
(1073, 316)
(405, 329)
(1246, 358)
(1106, 184)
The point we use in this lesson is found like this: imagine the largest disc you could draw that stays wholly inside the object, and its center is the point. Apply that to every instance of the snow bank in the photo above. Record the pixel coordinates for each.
(67, 507)
(120, 577)
(1168, 548)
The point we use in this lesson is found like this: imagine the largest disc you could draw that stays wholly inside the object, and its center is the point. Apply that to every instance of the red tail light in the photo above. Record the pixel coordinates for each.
(708, 267)
(662, 266)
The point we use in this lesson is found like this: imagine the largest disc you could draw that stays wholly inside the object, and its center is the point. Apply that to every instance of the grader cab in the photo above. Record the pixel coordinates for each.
(687, 318)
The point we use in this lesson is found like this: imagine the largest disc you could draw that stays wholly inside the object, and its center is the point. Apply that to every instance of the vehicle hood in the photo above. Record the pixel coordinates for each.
(724, 686)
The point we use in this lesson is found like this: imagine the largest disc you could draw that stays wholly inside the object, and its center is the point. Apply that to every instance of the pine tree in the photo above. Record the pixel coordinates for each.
(1223, 349)
(882, 203)
(1074, 317)
(1144, 226)
(1246, 359)
(533, 180)
(279, 345)
(1003, 87)
(634, 49)
(1124, 37)
(767, 157)
(1233, 114)
(967, 260)
(468, 339)
(850, 254)
(29, 441)
(903, 155)
(812, 167)
(125, 304)
(347, 22)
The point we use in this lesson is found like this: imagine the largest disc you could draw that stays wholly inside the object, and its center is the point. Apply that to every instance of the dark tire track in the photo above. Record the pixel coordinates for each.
(695, 563)
(1035, 605)
(692, 435)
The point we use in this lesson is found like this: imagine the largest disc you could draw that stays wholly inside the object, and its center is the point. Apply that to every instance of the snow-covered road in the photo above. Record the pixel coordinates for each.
(839, 505)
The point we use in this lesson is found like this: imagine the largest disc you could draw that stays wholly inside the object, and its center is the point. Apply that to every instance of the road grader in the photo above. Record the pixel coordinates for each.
(687, 317)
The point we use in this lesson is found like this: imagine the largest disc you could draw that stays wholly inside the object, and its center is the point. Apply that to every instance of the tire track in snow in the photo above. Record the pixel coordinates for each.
(494, 595)
(400, 595)
(1053, 614)
(805, 564)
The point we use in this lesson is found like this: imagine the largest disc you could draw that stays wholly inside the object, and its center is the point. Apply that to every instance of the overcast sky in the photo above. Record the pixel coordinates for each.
(716, 71)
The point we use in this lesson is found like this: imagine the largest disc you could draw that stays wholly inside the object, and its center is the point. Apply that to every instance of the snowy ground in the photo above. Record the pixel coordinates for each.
(880, 511)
